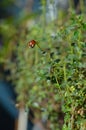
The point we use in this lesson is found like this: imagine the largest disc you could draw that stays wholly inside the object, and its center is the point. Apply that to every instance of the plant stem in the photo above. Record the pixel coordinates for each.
(71, 4)
(82, 6)
(22, 120)
(72, 117)
(65, 78)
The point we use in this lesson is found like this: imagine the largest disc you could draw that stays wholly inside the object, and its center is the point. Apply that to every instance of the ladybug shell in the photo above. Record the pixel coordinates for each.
(32, 43)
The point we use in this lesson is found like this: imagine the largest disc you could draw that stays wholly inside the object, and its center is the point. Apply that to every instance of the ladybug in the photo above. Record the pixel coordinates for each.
(32, 43)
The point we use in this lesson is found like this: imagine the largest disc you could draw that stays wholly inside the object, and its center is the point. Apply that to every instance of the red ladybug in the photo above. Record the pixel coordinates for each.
(32, 43)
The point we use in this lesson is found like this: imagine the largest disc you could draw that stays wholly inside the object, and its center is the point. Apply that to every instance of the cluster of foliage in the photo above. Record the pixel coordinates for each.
(54, 81)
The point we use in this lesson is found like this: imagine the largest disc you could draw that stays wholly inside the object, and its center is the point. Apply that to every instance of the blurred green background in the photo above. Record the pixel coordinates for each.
(53, 83)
